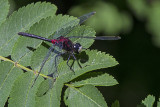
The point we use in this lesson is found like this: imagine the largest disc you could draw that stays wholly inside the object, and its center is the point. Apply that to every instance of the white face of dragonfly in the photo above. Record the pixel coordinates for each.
(77, 48)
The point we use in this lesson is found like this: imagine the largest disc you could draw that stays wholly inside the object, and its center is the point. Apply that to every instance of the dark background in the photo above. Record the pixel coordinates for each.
(137, 52)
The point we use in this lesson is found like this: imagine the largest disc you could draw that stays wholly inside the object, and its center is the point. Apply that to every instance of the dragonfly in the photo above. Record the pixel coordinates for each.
(64, 43)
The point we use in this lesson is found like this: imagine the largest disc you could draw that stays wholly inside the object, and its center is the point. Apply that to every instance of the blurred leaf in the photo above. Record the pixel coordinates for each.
(158, 103)
(115, 104)
(149, 11)
(4, 9)
(149, 101)
(153, 24)
(139, 7)
(107, 19)
(86, 96)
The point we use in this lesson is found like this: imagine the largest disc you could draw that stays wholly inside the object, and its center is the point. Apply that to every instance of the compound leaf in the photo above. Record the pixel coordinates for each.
(89, 60)
(22, 93)
(22, 20)
(86, 96)
(8, 74)
(100, 80)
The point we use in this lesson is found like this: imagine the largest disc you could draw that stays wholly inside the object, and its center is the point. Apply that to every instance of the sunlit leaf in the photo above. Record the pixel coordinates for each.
(100, 80)
(86, 96)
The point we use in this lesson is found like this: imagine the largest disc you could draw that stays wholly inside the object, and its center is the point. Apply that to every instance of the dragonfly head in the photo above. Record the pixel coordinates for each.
(77, 48)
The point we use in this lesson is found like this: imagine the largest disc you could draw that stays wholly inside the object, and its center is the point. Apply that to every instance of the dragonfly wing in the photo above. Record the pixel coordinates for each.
(85, 17)
(43, 63)
(98, 37)
(54, 60)
(107, 38)
(53, 65)
(63, 32)
(66, 30)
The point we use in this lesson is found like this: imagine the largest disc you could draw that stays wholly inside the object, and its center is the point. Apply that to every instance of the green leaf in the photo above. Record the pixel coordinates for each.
(4, 9)
(35, 19)
(89, 60)
(8, 74)
(44, 28)
(22, 93)
(100, 80)
(42, 51)
(149, 101)
(154, 23)
(115, 104)
(22, 20)
(52, 97)
(86, 96)
(83, 31)
(139, 7)
(108, 19)
(158, 103)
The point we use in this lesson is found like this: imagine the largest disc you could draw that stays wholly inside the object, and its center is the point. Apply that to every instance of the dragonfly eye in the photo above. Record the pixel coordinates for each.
(77, 48)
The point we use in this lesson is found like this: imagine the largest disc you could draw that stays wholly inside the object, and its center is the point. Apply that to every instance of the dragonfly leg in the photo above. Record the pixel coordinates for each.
(55, 64)
(68, 63)
(73, 61)
(43, 63)
(79, 64)
(76, 60)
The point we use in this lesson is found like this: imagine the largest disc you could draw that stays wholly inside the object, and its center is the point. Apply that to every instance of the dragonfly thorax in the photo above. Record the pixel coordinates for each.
(66, 44)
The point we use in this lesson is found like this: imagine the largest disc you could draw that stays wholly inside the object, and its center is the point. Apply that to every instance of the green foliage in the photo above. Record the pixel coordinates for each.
(150, 13)
(22, 94)
(87, 95)
(158, 103)
(22, 20)
(115, 104)
(4, 8)
(139, 7)
(102, 80)
(148, 102)
(108, 18)
(8, 74)
(40, 19)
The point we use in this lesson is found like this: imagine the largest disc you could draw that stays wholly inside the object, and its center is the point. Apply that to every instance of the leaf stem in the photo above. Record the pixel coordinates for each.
(23, 67)
(69, 85)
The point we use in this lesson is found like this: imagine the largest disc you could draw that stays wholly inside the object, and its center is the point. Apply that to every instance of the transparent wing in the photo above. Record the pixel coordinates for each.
(54, 61)
(98, 37)
(56, 52)
(53, 64)
(43, 63)
(85, 17)
(67, 30)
